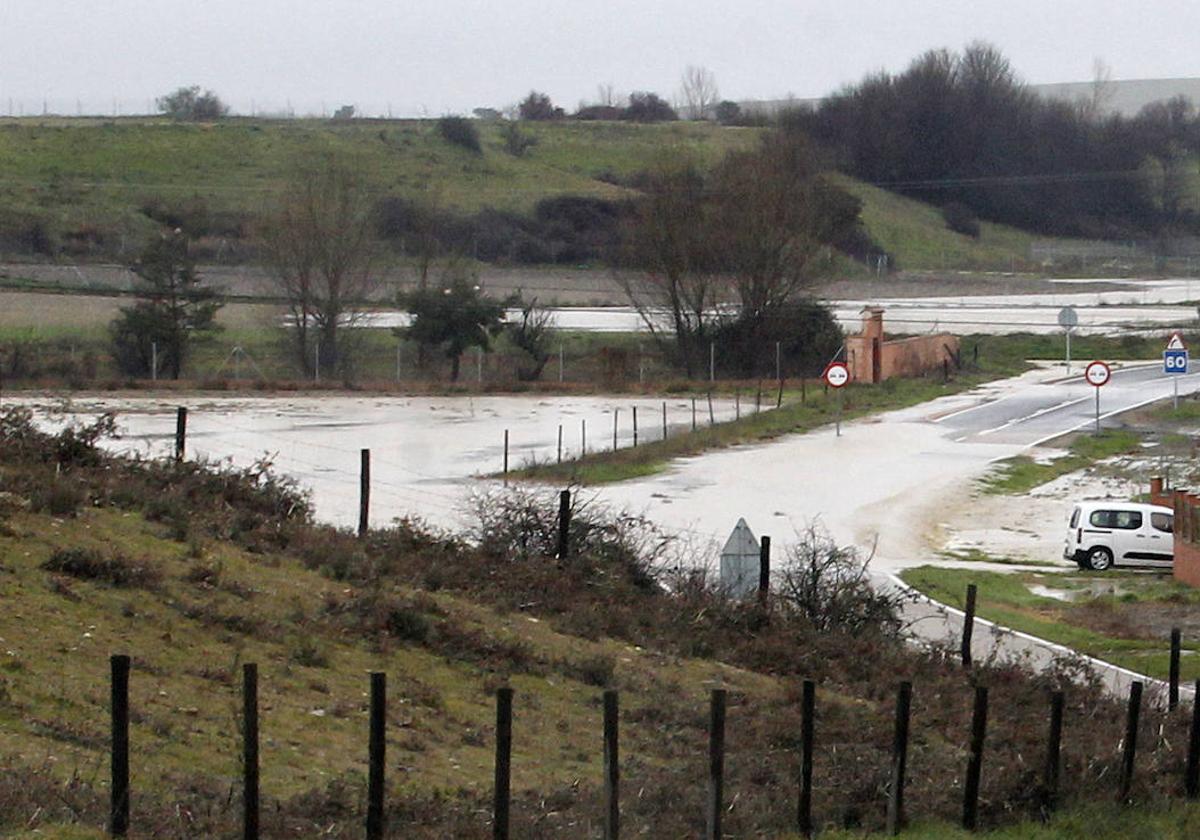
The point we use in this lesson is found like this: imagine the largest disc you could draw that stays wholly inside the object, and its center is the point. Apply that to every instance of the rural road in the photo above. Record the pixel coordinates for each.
(886, 480)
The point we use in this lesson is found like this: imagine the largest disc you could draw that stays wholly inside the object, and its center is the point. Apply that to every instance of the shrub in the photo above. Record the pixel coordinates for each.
(961, 219)
(188, 103)
(829, 587)
(728, 112)
(58, 496)
(516, 141)
(807, 333)
(649, 107)
(537, 106)
(115, 569)
(407, 623)
(461, 132)
(309, 652)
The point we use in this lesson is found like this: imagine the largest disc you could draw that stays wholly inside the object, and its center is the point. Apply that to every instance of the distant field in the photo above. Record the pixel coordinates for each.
(45, 315)
(84, 181)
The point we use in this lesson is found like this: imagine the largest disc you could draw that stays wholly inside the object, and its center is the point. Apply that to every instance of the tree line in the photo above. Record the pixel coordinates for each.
(962, 128)
(717, 258)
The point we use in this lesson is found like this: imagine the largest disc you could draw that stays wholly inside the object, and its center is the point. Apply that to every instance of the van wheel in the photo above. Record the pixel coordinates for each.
(1099, 559)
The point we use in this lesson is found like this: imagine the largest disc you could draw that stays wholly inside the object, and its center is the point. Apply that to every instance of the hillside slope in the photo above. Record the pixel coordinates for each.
(193, 571)
(80, 187)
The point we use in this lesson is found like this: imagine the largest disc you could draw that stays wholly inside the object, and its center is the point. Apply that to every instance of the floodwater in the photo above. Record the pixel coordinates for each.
(428, 454)
(1152, 304)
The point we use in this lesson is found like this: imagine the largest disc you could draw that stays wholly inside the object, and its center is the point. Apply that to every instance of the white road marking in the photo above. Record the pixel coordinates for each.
(1034, 415)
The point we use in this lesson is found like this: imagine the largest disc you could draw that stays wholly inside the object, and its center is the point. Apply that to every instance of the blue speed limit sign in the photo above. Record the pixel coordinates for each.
(1175, 361)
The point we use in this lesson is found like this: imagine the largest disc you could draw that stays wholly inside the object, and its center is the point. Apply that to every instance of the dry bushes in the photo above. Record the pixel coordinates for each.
(114, 569)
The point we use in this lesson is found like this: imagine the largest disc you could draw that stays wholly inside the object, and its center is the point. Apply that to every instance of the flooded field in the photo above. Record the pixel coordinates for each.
(428, 454)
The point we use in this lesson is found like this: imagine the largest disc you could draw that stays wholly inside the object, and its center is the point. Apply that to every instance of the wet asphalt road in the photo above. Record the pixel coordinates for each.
(1041, 412)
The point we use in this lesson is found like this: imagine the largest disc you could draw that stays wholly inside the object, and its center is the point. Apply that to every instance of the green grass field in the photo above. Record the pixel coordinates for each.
(1020, 474)
(85, 180)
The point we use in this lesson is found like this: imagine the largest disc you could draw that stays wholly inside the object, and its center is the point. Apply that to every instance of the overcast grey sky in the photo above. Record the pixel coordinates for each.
(448, 56)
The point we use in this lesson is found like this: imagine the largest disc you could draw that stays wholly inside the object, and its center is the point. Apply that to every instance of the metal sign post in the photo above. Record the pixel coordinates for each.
(1097, 374)
(837, 377)
(1175, 361)
(1068, 319)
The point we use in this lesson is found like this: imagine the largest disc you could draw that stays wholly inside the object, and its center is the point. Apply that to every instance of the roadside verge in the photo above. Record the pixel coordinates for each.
(936, 623)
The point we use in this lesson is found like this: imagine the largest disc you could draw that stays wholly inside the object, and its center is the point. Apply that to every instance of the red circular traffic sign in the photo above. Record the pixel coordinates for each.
(1098, 373)
(836, 375)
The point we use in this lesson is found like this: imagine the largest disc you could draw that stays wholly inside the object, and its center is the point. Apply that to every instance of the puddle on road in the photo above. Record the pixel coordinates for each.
(1086, 592)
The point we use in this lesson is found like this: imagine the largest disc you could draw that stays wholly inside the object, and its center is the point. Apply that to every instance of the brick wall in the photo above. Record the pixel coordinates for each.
(905, 357)
(1187, 529)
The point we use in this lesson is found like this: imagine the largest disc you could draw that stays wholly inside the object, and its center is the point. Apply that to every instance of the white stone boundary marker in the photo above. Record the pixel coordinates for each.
(934, 622)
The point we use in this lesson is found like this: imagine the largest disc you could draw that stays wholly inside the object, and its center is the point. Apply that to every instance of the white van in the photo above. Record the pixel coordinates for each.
(1104, 534)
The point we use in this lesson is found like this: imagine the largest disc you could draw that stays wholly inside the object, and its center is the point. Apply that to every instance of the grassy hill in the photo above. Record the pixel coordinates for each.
(193, 571)
(82, 184)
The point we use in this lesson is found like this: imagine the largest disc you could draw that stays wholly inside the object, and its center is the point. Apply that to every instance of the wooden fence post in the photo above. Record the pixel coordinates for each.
(716, 764)
(364, 492)
(1053, 752)
(616, 415)
(975, 759)
(804, 823)
(180, 432)
(1173, 677)
(1129, 753)
(968, 625)
(564, 524)
(895, 806)
(635, 429)
(560, 443)
(664, 413)
(764, 572)
(250, 751)
(582, 438)
(693, 414)
(377, 757)
(711, 417)
(118, 821)
(1191, 777)
(506, 451)
(612, 767)
(503, 779)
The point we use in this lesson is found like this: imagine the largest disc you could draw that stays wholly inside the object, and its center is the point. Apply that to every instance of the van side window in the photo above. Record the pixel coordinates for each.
(1162, 522)
(1129, 520)
(1126, 520)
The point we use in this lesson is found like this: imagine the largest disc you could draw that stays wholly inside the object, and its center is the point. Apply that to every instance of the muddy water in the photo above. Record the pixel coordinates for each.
(428, 454)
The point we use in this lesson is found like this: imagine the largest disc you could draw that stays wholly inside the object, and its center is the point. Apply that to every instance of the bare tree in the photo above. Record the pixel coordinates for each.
(321, 246)
(698, 92)
(829, 586)
(532, 334)
(1102, 90)
(668, 259)
(775, 210)
(606, 95)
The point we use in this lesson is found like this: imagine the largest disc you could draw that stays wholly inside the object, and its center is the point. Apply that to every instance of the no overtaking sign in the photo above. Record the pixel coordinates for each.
(1097, 373)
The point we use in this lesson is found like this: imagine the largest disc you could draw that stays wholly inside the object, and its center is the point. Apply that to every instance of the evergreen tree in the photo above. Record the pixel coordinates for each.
(452, 318)
(172, 310)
